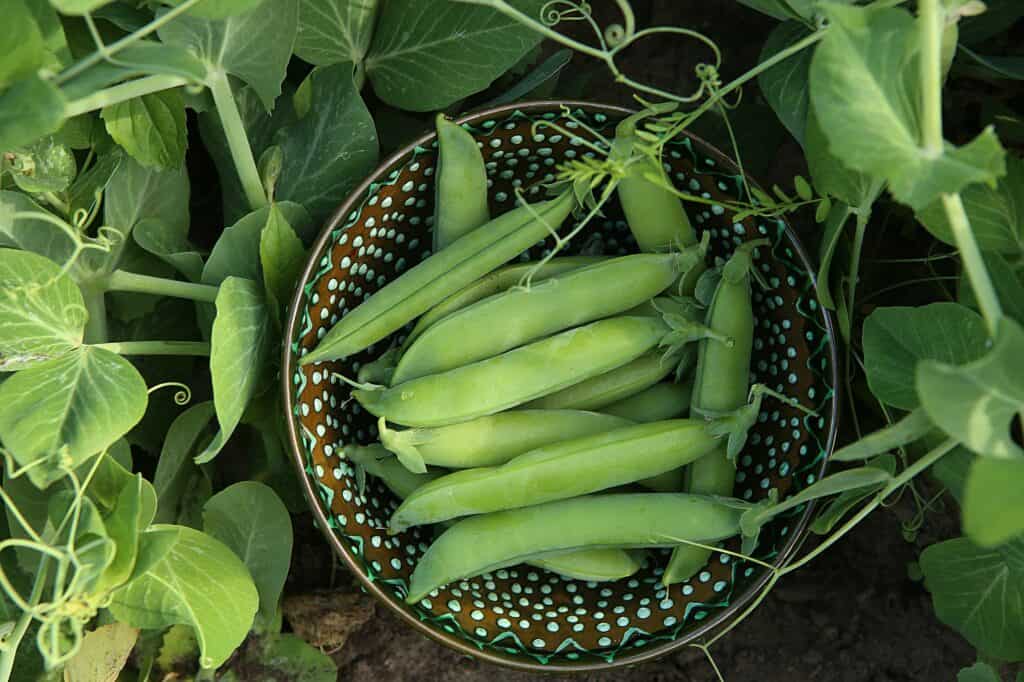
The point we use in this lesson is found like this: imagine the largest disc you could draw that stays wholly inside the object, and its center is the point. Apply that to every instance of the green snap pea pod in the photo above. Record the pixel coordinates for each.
(460, 190)
(664, 400)
(655, 215)
(520, 315)
(479, 544)
(492, 439)
(441, 275)
(606, 563)
(516, 376)
(721, 384)
(494, 283)
(610, 387)
(555, 472)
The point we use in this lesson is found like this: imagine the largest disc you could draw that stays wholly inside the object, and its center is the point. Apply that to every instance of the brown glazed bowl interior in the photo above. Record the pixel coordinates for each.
(521, 616)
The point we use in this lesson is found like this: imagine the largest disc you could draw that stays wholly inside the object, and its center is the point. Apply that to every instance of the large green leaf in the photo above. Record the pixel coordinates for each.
(996, 213)
(151, 128)
(1006, 280)
(218, 9)
(170, 245)
(69, 408)
(197, 582)
(24, 51)
(132, 514)
(992, 509)
(52, 32)
(254, 46)
(785, 85)
(281, 257)
(239, 355)
(332, 31)
(42, 313)
(975, 402)
(249, 518)
(897, 338)
(864, 86)
(29, 109)
(331, 148)
(32, 232)
(424, 56)
(977, 592)
(87, 190)
(177, 478)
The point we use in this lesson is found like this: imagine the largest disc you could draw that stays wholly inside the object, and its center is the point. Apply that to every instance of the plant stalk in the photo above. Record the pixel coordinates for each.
(11, 644)
(122, 92)
(122, 280)
(96, 308)
(238, 141)
(157, 347)
(974, 264)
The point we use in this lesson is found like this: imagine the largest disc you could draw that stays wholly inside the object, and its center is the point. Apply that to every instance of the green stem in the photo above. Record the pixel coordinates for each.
(53, 200)
(122, 280)
(895, 484)
(13, 641)
(122, 92)
(96, 307)
(106, 52)
(931, 76)
(238, 142)
(974, 264)
(157, 347)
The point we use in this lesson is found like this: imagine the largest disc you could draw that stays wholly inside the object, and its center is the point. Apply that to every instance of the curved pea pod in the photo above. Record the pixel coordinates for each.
(440, 275)
(664, 400)
(479, 544)
(492, 439)
(494, 283)
(460, 190)
(585, 564)
(721, 384)
(521, 315)
(655, 215)
(555, 472)
(516, 376)
(610, 387)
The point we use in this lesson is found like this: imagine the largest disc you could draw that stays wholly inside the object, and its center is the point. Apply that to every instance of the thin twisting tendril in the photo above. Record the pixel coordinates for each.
(183, 396)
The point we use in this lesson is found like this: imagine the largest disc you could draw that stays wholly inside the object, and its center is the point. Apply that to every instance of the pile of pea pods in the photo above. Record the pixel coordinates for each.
(545, 412)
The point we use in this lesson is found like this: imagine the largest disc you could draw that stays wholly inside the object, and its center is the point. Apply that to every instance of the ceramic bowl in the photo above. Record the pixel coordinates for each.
(521, 616)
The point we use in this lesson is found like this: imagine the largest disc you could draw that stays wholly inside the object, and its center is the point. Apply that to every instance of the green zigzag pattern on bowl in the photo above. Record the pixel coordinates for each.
(508, 641)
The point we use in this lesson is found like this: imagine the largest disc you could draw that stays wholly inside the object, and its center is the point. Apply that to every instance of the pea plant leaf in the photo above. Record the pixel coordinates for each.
(193, 580)
(87, 190)
(864, 88)
(29, 109)
(424, 56)
(169, 245)
(907, 430)
(177, 478)
(785, 85)
(979, 594)
(103, 655)
(281, 257)
(992, 513)
(330, 148)
(72, 407)
(333, 31)
(42, 313)
(131, 515)
(237, 252)
(837, 509)
(975, 402)
(218, 9)
(1007, 282)
(43, 166)
(78, 7)
(897, 338)
(996, 213)
(979, 672)
(239, 354)
(150, 128)
(838, 215)
(249, 518)
(24, 51)
(830, 175)
(782, 9)
(254, 46)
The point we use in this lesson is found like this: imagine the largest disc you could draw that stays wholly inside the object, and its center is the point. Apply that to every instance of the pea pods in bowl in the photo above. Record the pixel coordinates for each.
(383, 230)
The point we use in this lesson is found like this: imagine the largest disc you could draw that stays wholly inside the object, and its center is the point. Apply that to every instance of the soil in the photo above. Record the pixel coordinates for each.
(854, 615)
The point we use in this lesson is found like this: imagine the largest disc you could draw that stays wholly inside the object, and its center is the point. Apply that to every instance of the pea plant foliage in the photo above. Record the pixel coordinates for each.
(147, 490)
